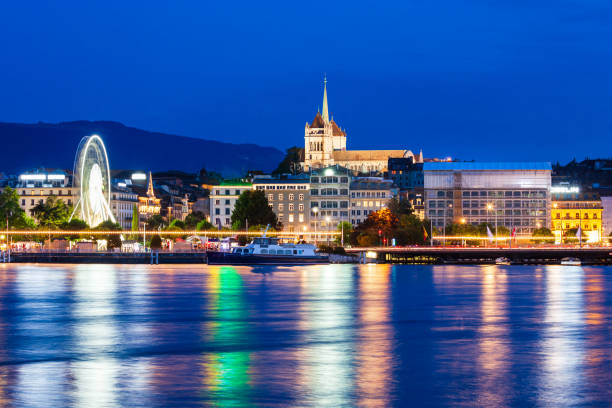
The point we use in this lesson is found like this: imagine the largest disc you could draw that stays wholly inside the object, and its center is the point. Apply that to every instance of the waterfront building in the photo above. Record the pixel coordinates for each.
(202, 205)
(369, 194)
(289, 198)
(514, 195)
(35, 187)
(222, 200)
(149, 204)
(123, 200)
(178, 207)
(606, 203)
(572, 209)
(329, 198)
(325, 145)
(408, 177)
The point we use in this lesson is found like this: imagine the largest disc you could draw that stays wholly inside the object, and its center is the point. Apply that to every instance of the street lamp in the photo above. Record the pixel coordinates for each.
(327, 222)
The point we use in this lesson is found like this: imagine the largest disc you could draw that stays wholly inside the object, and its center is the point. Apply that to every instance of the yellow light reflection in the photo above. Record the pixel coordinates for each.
(494, 353)
(374, 347)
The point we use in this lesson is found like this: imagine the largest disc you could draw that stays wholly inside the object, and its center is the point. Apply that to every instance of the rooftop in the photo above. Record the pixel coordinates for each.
(225, 183)
(442, 166)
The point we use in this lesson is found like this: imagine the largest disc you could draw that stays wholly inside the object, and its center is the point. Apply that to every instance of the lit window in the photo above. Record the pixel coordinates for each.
(291, 207)
(290, 217)
(301, 217)
(270, 197)
(301, 197)
(291, 197)
(280, 196)
(301, 207)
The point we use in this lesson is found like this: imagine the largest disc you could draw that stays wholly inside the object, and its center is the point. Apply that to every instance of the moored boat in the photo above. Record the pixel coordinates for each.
(502, 260)
(571, 261)
(268, 251)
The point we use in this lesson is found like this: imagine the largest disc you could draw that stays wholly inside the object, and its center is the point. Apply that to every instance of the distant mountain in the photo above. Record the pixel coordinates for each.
(53, 145)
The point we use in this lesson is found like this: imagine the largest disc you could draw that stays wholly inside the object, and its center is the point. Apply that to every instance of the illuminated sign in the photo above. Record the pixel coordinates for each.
(564, 189)
(55, 177)
(37, 177)
(139, 176)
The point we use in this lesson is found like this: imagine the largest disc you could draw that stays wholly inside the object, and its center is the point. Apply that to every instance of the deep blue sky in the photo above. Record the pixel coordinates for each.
(508, 80)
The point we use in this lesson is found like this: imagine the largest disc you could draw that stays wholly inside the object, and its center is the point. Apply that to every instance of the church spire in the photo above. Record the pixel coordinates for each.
(150, 192)
(325, 110)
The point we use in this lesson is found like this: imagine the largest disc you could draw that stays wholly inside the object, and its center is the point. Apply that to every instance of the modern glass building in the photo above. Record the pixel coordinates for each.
(514, 195)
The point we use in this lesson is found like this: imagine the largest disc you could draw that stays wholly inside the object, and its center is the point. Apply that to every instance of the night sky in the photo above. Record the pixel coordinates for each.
(514, 80)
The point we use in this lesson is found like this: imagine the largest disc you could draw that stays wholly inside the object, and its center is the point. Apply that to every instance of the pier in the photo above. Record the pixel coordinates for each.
(455, 255)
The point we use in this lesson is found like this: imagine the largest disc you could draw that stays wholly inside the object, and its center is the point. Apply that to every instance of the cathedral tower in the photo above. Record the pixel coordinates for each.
(322, 137)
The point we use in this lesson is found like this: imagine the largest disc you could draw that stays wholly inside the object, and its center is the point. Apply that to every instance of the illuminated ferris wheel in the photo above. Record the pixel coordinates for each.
(92, 178)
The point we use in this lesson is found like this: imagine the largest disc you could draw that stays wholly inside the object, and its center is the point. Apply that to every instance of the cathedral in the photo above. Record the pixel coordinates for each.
(325, 145)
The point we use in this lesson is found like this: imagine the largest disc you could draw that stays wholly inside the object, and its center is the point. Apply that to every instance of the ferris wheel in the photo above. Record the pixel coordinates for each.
(92, 178)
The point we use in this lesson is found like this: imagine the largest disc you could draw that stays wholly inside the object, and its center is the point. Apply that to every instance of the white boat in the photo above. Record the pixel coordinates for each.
(268, 251)
(571, 261)
(502, 260)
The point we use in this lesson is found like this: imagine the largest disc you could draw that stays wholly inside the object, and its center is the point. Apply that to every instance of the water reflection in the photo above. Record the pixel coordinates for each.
(374, 358)
(333, 335)
(95, 336)
(494, 353)
(562, 337)
(226, 373)
(326, 319)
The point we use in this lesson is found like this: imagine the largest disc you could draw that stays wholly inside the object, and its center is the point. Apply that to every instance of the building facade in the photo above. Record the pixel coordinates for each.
(606, 203)
(222, 200)
(329, 198)
(123, 200)
(571, 210)
(408, 177)
(513, 195)
(148, 205)
(368, 195)
(35, 188)
(289, 199)
(325, 145)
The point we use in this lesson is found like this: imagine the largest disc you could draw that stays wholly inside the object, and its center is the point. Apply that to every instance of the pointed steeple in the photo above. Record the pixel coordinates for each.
(150, 192)
(325, 109)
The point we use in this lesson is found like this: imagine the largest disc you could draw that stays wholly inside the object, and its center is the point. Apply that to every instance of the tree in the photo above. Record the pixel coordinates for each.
(9, 207)
(543, 236)
(209, 177)
(74, 224)
(192, 219)
(252, 205)
(379, 225)
(135, 218)
(410, 231)
(112, 240)
(399, 207)
(204, 225)
(156, 242)
(346, 228)
(51, 213)
(569, 236)
(291, 161)
(176, 225)
(154, 222)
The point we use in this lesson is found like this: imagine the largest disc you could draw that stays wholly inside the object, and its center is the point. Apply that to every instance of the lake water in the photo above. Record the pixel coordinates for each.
(329, 336)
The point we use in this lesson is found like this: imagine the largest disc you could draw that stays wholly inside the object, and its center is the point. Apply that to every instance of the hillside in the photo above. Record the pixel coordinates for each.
(27, 146)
